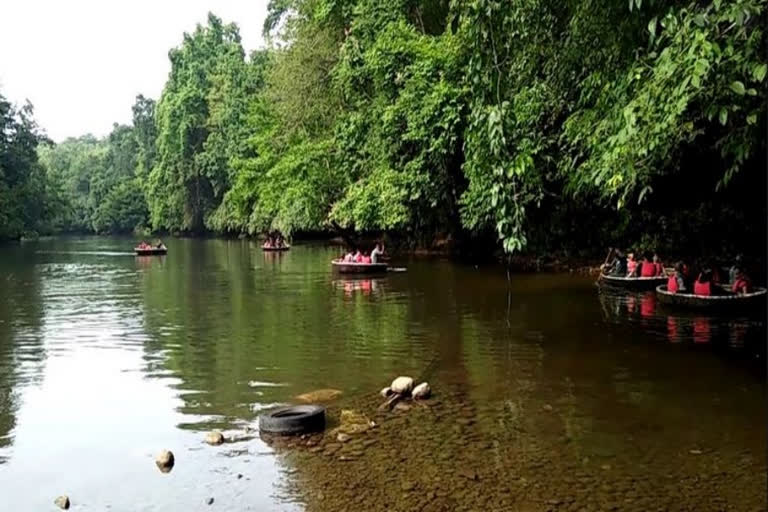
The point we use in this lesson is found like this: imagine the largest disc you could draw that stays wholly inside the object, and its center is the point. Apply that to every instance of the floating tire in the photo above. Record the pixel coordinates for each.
(296, 419)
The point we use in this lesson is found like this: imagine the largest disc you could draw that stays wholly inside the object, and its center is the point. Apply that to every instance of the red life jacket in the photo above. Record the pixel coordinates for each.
(741, 285)
(631, 266)
(700, 288)
(366, 259)
(659, 268)
(672, 284)
(647, 269)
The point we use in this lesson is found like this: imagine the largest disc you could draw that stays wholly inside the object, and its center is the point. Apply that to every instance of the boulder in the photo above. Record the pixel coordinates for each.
(214, 438)
(165, 461)
(402, 385)
(319, 395)
(422, 391)
(385, 392)
(62, 502)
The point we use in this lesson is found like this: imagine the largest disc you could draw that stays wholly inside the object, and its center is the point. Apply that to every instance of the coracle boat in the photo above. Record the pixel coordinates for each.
(633, 283)
(275, 249)
(351, 267)
(152, 251)
(722, 300)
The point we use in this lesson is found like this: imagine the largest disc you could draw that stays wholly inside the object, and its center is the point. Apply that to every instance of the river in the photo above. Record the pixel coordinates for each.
(547, 394)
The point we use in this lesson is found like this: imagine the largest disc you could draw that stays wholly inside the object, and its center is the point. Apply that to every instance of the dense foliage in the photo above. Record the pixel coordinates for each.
(526, 121)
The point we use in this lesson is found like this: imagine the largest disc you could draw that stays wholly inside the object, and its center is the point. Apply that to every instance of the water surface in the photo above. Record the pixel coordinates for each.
(548, 394)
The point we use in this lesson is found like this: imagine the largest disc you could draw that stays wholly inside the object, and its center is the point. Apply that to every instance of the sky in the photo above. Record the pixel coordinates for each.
(82, 62)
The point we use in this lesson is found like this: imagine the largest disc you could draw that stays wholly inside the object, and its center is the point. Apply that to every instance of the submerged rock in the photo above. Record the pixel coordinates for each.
(386, 392)
(402, 385)
(422, 391)
(353, 422)
(62, 502)
(342, 437)
(165, 461)
(319, 395)
(214, 438)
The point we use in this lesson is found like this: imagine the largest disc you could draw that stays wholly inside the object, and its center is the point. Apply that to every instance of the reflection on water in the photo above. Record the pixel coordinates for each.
(548, 394)
(741, 333)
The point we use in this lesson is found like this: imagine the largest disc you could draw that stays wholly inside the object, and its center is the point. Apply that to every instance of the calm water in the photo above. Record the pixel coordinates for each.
(548, 394)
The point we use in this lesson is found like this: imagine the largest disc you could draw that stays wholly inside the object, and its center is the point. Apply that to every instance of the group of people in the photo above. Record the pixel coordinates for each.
(144, 246)
(709, 277)
(358, 257)
(274, 241)
(680, 280)
(628, 266)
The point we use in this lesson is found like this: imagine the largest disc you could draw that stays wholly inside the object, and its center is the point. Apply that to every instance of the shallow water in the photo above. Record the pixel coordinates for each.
(549, 395)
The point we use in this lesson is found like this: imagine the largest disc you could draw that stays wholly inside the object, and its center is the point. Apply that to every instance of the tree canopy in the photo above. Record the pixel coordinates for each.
(514, 121)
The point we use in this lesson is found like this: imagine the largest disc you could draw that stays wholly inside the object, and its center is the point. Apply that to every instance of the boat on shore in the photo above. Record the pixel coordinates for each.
(632, 283)
(722, 300)
(266, 248)
(152, 251)
(351, 267)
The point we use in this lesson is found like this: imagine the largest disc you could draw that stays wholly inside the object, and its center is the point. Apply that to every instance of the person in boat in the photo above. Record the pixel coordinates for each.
(741, 282)
(349, 257)
(658, 264)
(160, 244)
(647, 267)
(619, 265)
(734, 268)
(676, 282)
(279, 242)
(366, 259)
(703, 284)
(358, 256)
(376, 252)
(632, 266)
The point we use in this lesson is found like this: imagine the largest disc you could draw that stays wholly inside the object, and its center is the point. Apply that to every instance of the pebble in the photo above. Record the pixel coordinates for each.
(408, 486)
(547, 407)
(209, 501)
(342, 437)
(62, 502)
(695, 452)
(239, 476)
(165, 461)
(214, 438)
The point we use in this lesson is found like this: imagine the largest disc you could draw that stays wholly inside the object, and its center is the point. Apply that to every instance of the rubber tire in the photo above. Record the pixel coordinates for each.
(295, 419)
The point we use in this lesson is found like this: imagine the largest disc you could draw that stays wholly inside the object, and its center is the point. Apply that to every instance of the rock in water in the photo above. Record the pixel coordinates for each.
(214, 438)
(422, 391)
(165, 461)
(352, 422)
(62, 502)
(386, 392)
(402, 385)
(319, 395)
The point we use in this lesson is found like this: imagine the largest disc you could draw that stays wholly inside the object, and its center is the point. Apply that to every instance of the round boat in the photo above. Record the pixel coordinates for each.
(724, 301)
(350, 267)
(633, 283)
(154, 251)
(275, 249)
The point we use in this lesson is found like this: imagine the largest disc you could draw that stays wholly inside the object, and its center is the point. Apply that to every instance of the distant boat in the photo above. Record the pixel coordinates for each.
(151, 251)
(633, 283)
(351, 267)
(275, 249)
(723, 300)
